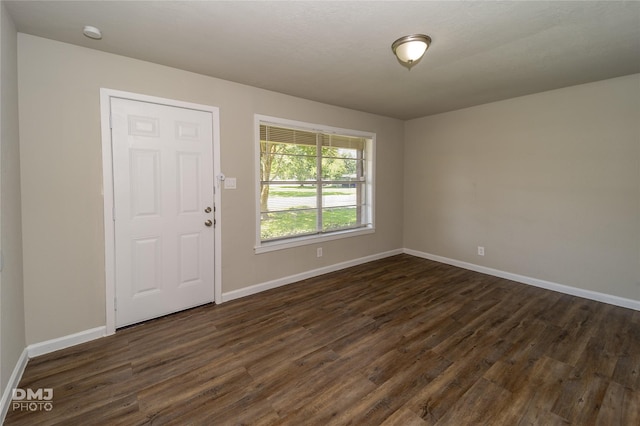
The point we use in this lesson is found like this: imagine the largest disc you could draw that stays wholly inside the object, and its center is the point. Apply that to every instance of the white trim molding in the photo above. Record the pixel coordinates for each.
(13, 383)
(42, 348)
(561, 288)
(258, 288)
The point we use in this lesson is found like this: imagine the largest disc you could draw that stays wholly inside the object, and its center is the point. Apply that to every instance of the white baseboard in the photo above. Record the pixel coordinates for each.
(573, 291)
(63, 342)
(42, 348)
(14, 380)
(257, 288)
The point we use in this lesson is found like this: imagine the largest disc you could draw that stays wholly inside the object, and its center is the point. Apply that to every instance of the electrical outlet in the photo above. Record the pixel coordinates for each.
(319, 252)
(480, 251)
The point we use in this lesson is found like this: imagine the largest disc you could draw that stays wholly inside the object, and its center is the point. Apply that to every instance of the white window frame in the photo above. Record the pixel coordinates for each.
(296, 241)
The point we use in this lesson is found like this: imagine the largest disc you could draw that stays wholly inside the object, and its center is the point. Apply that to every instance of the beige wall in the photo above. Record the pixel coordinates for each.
(62, 178)
(12, 323)
(549, 184)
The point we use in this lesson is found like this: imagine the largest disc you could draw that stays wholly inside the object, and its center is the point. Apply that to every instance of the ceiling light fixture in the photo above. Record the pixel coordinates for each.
(409, 49)
(92, 32)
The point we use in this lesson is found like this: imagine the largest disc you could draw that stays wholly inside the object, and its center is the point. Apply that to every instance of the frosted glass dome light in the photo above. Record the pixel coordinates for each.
(410, 49)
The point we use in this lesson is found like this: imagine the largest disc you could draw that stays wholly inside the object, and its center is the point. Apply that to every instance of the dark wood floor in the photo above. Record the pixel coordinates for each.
(400, 341)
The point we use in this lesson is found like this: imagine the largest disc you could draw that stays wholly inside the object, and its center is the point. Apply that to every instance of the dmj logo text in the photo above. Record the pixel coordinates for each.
(32, 400)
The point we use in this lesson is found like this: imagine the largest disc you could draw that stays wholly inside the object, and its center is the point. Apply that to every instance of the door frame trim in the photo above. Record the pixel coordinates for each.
(108, 191)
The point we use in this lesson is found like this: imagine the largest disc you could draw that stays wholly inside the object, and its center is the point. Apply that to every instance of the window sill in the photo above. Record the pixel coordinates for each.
(311, 239)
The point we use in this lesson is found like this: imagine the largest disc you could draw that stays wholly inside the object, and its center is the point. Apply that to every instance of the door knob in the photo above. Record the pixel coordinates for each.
(207, 210)
(208, 222)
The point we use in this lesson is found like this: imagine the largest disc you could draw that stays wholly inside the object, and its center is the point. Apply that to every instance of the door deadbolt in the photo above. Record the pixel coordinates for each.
(208, 222)
(207, 210)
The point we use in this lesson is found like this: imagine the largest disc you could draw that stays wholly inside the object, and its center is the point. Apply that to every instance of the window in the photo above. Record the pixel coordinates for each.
(314, 182)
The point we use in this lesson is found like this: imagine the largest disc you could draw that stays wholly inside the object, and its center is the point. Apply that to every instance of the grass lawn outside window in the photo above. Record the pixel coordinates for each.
(312, 183)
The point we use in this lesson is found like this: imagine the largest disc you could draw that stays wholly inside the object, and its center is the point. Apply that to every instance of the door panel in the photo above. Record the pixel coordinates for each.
(146, 263)
(163, 182)
(188, 191)
(145, 185)
(189, 246)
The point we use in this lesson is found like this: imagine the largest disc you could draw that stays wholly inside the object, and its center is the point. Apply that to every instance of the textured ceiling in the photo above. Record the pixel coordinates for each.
(340, 52)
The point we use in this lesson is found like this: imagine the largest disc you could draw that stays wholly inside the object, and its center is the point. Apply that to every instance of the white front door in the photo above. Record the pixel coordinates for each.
(163, 209)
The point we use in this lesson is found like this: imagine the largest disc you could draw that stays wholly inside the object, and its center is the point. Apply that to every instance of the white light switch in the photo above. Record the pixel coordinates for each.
(230, 183)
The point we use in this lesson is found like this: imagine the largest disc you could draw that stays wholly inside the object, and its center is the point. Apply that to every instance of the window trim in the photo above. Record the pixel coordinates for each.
(297, 241)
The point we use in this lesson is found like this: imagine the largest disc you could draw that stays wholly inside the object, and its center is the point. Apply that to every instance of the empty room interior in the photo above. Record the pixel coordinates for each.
(319, 212)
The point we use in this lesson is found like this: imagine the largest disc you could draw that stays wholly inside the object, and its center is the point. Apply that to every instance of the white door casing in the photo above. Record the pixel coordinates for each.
(162, 256)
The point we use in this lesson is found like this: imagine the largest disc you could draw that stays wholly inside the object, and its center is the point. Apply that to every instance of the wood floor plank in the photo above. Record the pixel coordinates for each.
(589, 401)
(390, 395)
(334, 399)
(627, 370)
(542, 391)
(611, 412)
(438, 395)
(404, 417)
(630, 407)
(308, 380)
(477, 405)
(398, 341)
